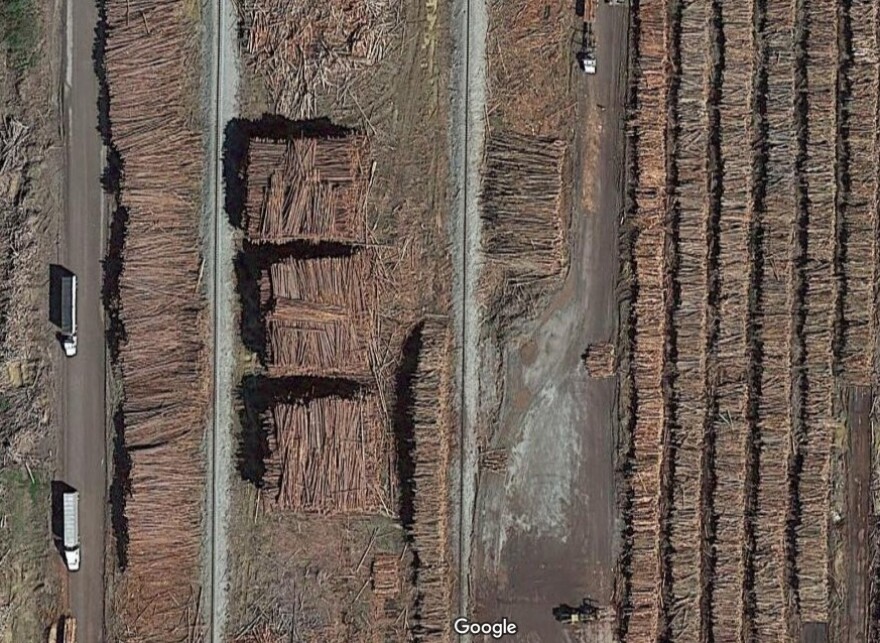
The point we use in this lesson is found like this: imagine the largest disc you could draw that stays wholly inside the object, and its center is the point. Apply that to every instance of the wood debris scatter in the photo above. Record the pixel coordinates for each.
(303, 48)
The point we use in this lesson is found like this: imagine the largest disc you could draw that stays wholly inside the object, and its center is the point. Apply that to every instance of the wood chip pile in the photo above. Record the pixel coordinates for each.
(307, 189)
(328, 455)
(752, 301)
(301, 48)
(318, 315)
(162, 356)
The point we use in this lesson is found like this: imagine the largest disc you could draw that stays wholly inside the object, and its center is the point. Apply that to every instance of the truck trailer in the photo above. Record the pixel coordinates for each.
(70, 538)
(586, 56)
(68, 314)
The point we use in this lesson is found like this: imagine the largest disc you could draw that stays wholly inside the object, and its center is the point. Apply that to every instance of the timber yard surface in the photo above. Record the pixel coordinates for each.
(408, 320)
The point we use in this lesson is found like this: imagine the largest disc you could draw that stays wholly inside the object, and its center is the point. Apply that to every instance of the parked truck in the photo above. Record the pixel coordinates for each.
(70, 539)
(68, 314)
(586, 56)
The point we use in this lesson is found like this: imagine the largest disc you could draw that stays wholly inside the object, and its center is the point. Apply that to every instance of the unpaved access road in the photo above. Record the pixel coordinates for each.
(466, 144)
(221, 88)
(544, 530)
(81, 387)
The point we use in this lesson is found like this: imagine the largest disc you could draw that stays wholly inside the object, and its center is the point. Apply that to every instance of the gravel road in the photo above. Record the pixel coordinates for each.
(467, 134)
(220, 96)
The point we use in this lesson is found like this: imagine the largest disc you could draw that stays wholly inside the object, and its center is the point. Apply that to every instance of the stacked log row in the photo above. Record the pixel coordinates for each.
(812, 560)
(730, 425)
(777, 212)
(858, 205)
(647, 214)
(161, 357)
(688, 143)
(431, 459)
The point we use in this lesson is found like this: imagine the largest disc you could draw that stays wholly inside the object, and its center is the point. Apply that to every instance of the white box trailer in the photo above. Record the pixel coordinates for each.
(68, 314)
(71, 529)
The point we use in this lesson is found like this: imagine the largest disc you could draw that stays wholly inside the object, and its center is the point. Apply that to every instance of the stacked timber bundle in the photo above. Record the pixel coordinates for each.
(300, 48)
(599, 360)
(858, 211)
(307, 189)
(431, 458)
(522, 209)
(385, 575)
(729, 424)
(318, 315)
(328, 455)
(776, 287)
(685, 517)
(162, 356)
(818, 417)
(639, 598)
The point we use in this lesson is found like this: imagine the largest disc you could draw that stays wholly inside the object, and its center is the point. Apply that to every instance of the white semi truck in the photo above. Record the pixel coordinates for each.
(70, 538)
(68, 314)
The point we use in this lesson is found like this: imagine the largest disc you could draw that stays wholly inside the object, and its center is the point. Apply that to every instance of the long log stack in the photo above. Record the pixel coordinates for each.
(162, 356)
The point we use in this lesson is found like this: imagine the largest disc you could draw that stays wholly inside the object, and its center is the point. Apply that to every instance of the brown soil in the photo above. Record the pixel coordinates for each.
(31, 575)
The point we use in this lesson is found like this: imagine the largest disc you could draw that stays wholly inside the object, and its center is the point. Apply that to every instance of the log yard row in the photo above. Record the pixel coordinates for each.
(397, 320)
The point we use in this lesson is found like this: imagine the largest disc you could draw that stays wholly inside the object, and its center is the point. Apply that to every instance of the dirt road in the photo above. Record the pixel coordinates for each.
(82, 378)
(544, 529)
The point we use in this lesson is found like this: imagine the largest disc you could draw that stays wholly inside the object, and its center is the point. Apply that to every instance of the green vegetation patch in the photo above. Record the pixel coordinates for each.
(20, 30)
(27, 585)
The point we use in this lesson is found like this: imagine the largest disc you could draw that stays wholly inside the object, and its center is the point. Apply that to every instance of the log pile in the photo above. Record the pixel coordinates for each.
(774, 421)
(431, 458)
(521, 205)
(858, 207)
(817, 414)
(639, 608)
(729, 422)
(318, 314)
(599, 360)
(307, 189)
(529, 65)
(385, 575)
(162, 355)
(302, 48)
(685, 520)
(328, 455)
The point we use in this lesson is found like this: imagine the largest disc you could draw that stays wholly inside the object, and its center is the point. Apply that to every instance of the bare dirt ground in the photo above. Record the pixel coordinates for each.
(309, 577)
(858, 523)
(545, 527)
(30, 160)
